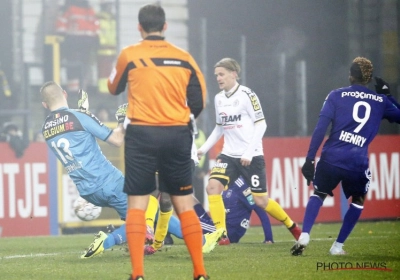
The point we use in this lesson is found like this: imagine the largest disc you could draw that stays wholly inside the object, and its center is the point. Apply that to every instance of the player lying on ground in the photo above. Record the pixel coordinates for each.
(239, 205)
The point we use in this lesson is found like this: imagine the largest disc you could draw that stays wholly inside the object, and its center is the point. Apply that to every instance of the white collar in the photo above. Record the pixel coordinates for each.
(232, 90)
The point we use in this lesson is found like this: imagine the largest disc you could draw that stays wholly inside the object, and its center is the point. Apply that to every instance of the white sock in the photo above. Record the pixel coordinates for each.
(304, 238)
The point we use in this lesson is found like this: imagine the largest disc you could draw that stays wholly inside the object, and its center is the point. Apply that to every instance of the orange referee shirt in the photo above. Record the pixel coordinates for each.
(164, 83)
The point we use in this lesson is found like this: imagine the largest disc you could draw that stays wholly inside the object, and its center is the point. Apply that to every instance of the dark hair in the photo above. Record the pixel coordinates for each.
(152, 18)
(361, 70)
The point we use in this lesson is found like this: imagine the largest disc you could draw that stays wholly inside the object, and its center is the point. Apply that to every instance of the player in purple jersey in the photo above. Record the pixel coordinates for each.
(355, 113)
(239, 205)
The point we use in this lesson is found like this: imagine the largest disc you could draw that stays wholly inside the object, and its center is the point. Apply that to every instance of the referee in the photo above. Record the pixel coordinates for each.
(165, 86)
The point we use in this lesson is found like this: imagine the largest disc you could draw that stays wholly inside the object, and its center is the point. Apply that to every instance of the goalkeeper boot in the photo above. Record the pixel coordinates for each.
(149, 236)
(295, 231)
(96, 247)
(337, 249)
(212, 240)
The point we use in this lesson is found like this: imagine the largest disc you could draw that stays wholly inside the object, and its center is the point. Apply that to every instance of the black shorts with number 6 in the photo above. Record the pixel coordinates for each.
(227, 169)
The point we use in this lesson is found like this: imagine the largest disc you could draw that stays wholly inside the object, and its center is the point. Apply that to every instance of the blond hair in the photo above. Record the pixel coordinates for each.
(229, 64)
(361, 70)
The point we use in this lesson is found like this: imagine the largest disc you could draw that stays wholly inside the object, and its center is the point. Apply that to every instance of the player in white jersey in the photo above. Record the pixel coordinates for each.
(240, 119)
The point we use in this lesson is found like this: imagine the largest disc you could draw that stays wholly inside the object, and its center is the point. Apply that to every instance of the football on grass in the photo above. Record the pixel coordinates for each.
(85, 210)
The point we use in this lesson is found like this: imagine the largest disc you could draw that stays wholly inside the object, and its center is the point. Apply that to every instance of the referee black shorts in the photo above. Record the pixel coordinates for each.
(166, 149)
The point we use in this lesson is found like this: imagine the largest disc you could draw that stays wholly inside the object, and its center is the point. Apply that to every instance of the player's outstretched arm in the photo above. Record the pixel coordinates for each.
(117, 136)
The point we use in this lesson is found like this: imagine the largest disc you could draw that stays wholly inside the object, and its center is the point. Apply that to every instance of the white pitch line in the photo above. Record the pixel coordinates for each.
(35, 255)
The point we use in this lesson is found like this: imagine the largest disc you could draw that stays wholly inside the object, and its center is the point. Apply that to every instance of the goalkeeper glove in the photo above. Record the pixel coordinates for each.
(381, 86)
(121, 113)
(83, 102)
(308, 170)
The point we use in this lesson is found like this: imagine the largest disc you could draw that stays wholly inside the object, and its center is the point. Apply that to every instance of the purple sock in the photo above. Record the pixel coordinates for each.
(349, 221)
(312, 210)
(207, 225)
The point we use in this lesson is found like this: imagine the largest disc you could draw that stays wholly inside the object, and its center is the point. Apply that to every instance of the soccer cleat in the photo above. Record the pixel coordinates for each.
(168, 239)
(149, 236)
(96, 247)
(110, 228)
(268, 242)
(212, 240)
(336, 250)
(224, 240)
(202, 277)
(301, 244)
(295, 231)
(137, 278)
(149, 250)
(297, 249)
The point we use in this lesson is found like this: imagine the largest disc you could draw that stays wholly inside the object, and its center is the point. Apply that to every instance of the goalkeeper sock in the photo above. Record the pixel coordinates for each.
(312, 210)
(349, 221)
(161, 229)
(151, 211)
(193, 239)
(206, 223)
(174, 227)
(117, 237)
(217, 210)
(136, 233)
(276, 211)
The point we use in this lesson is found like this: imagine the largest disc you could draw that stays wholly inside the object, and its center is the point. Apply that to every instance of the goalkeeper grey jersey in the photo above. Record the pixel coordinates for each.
(238, 112)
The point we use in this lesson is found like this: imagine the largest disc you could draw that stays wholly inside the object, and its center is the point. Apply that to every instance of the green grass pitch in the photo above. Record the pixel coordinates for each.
(373, 253)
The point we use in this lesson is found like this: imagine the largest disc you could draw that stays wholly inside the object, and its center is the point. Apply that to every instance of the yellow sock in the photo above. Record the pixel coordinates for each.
(151, 211)
(217, 210)
(161, 228)
(276, 211)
